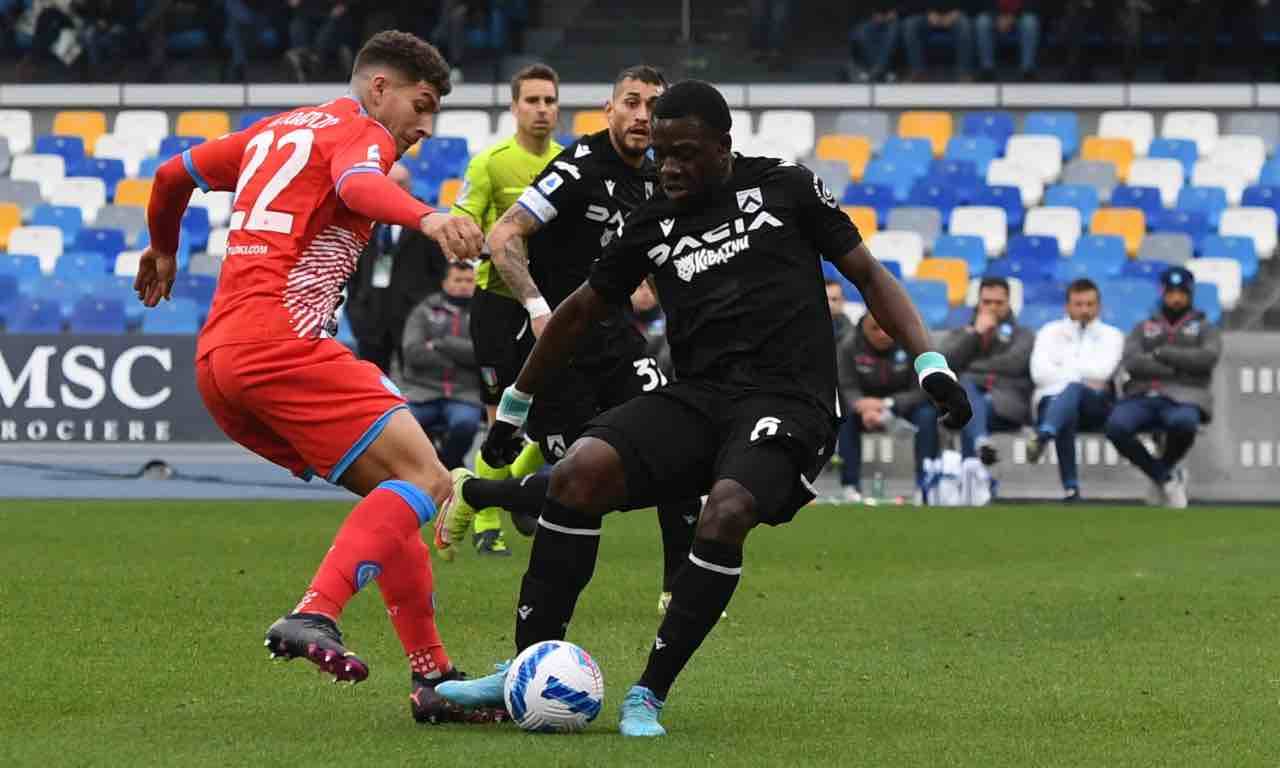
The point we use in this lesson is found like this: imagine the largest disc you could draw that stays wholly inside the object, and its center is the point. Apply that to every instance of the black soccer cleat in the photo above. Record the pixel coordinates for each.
(428, 706)
(317, 639)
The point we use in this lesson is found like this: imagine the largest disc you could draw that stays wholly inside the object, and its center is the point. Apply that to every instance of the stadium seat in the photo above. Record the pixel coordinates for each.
(173, 145)
(864, 218)
(1100, 175)
(1043, 154)
(1128, 223)
(106, 241)
(24, 194)
(768, 146)
(1211, 201)
(449, 189)
(71, 148)
(444, 156)
(87, 192)
(888, 173)
(876, 196)
(958, 317)
(995, 125)
(178, 317)
(933, 194)
(68, 218)
(45, 170)
(1235, 247)
(6, 157)
(913, 153)
(195, 224)
(1062, 124)
(1181, 150)
(25, 266)
(1082, 197)
(906, 248)
(968, 248)
(1167, 247)
(979, 150)
(1151, 270)
(148, 127)
(15, 125)
(1162, 173)
(1210, 174)
(44, 243)
(78, 265)
(126, 264)
(10, 219)
(1127, 302)
(1264, 125)
(217, 244)
(88, 125)
(1145, 199)
(875, 125)
(199, 288)
(988, 222)
(1224, 273)
(109, 169)
(1059, 222)
(9, 295)
(93, 314)
(740, 129)
(1102, 255)
(1039, 286)
(130, 219)
(148, 168)
(1246, 154)
(587, 121)
(937, 127)
(35, 316)
(953, 272)
(792, 127)
(205, 264)
(1208, 301)
(1118, 152)
(1137, 127)
(1015, 293)
(1256, 223)
(853, 150)
(926, 222)
(1036, 315)
(1198, 126)
(1006, 173)
(133, 192)
(1194, 224)
(207, 124)
(1033, 248)
(930, 297)
(1007, 198)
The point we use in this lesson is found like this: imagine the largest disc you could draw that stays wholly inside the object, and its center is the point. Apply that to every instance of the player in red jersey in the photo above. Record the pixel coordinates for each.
(308, 186)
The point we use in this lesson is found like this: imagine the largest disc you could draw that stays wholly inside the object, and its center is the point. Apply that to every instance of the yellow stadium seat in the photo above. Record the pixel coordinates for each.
(953, 272)
(589, 121)
(854, 150)
(934, 126)
(863, 218)
(1128, 223)
(449, 192)
(133, 192)
(209, 124)
(87, 125)
(10, 219)
(1118, 152)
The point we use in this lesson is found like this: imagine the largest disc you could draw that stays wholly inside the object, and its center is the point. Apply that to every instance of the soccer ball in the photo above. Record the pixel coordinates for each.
(553, 687)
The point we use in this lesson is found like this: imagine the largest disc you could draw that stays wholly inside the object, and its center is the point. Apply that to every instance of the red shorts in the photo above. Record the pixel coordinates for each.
(306, 404)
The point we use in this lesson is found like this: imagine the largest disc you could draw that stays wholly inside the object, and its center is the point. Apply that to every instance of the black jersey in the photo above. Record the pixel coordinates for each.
(740, 279)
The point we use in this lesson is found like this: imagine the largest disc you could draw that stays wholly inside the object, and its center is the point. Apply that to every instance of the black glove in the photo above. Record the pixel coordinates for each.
(502, 445)
(949, 398)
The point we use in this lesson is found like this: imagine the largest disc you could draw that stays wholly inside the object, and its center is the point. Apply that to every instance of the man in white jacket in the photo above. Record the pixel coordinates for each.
(1072, 364)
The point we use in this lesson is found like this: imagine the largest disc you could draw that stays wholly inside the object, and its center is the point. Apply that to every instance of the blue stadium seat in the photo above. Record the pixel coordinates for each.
(184, 246)
(876, 196)
(195, 222)
(120, 287)
(1008, 198)
(1233, 247)
(92, 314)
(967, 247)
(1036, 315)
(448, 154)
(995, 125)
(35, 316)
(1029, 272)
(1034, 248)
(1142, 294)
(248, 118)
(147, 168)
(199, 288)
(1208, 301)
(68, 218)
(176, 145)
(916, 154)
(1211, 201)
(930, 297)
(1065, 125)
(890, 173)
(1082, 197)
(1193, 223)
(1270, 176)
(180, 316)
(109, 169)
(1103, 249)
(1121, 314)
(10, 295)
(101, 239)
(24, 266)
(957, 317)
(1182, 150)
(1045, 291)
(80, 265)
(959, 175)
(1147, 199)
(1144, 270)
(894, 267)
(1262, 196)
(70, 147)
(934, 194)
(979, 150)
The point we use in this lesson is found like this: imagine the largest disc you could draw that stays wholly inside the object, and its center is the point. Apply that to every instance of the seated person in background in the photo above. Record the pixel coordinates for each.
(999, 17)
(1072, 365)
(924, 16)
(874, 38)
(993, 357)
(878, 381)
(1170, 360)
(841, 324)
(438, 373)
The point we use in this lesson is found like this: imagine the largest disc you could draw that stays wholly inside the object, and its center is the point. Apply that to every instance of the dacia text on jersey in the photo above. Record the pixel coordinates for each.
(695, 255)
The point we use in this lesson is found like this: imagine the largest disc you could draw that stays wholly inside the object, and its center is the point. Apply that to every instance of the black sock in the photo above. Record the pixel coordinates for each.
(518, 495)
(678, 521)
(701, 593)
(561, 562)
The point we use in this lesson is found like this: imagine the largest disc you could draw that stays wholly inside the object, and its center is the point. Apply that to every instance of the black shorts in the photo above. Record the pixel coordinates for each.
(676, 442)
(503, 339)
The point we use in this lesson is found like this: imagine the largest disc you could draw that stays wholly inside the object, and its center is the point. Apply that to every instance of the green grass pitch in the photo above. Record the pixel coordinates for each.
(1007, 636)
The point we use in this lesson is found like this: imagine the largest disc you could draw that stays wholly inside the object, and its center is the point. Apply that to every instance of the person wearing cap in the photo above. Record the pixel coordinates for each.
(1170, 359)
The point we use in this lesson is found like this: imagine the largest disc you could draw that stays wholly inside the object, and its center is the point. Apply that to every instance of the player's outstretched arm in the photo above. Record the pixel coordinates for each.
(509, 249)
(369, 193)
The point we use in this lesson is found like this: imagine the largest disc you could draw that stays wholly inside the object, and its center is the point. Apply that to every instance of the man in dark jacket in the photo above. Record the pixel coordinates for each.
(1170, 360)
(879, 385)
(993, 356)
(438, 374)
(1000, 17)
(924, 16)
(874, 38)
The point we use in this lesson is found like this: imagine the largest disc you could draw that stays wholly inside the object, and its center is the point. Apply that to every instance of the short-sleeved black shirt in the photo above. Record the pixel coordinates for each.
(740, 279)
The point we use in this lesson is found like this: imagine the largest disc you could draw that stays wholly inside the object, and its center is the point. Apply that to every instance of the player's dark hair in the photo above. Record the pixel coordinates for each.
(643, 73)
(533, 72)
(409, 55)
(995, 282)
(695, 98)
(1082, 285)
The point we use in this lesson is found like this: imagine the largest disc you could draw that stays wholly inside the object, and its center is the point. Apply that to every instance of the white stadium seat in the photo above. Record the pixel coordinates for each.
(127, 263)
(906, 248)
(470, 124)
(45, 243)
(15, 125)
(1007, 173)
(506, 127)
(1200, 127)
(740, 128)
(1062, 222)
(1224, 273)
(1247, 154)
(793, 127)
(88, 193)
(1041, 152)
(1136, 126)
(45, 170)
(988, 222)
(1210, 174)
(149, 126)
(127, 149)
(1162, 173)
(218, 242)
(763, 146)
(217, 203)
(1257, 223)
(1015, 293)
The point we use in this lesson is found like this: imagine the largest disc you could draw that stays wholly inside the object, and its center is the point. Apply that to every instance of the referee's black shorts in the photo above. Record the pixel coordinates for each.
(502, 338)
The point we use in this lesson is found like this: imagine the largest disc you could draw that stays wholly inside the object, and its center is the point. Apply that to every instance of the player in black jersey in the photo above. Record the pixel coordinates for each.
(544, 247)
(751, 418)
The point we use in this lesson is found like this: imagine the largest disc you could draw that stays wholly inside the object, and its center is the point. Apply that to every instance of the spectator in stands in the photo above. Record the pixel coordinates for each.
(1000, 17)
(1122, 19)
(320, 34)
(1072, 366)
(841, 324)
(925, 16)
(1170, 360)
(162, 17)
(648, 318)
(397, 269)
(993, 357)
(874, 39)
(84, 36)
(1196, 19)
(769, 28)
(245, 20)
(879, 386)
(439, 375)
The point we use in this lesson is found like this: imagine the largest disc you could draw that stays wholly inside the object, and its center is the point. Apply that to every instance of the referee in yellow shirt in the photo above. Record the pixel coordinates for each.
(500, 328)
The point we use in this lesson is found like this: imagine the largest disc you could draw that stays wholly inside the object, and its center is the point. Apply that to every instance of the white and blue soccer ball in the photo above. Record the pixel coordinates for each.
(553, 687)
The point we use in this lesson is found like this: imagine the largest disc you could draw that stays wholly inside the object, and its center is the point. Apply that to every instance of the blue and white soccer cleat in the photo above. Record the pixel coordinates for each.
(482, 692)
(639, 715)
